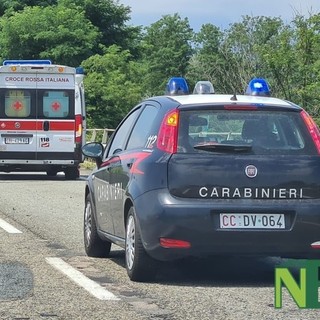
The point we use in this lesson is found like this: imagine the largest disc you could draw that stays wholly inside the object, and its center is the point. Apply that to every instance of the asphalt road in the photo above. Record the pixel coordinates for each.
(45, 274)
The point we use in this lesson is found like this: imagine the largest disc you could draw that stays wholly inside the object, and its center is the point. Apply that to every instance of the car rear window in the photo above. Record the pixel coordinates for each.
(247, 131)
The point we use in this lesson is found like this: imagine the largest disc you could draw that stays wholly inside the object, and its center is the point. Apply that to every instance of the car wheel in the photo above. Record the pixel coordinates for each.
(140, 266)
(72, 173)
(93, 244)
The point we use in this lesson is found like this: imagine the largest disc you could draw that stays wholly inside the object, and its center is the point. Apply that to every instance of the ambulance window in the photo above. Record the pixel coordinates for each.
(17, 103)
(56, 104)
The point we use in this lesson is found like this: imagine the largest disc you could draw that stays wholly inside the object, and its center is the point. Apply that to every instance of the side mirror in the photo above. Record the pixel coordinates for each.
(93, 150)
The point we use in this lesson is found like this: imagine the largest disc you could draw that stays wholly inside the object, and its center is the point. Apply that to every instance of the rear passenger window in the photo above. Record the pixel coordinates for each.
(141, 130)
(17, 103)
(120, 136)
(266, 132)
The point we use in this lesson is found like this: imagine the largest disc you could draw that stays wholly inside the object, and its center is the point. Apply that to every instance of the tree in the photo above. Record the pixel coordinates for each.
(55, 32)
(112, 87)
(205, 63)
(17, 5)
(307, 72)
(231, 58)
(280, 63)
(110, 18)
(66, 30)
(241, 49)
(167, 50)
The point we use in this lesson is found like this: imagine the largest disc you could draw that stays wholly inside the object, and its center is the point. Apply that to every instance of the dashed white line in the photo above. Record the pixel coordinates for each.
(76, 276)
(8, 227)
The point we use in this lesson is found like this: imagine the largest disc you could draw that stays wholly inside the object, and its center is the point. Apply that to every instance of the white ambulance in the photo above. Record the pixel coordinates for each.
(42, 117)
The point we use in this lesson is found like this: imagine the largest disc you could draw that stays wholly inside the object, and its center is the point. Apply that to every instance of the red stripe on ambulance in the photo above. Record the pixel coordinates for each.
(14, 125)
(62, 125)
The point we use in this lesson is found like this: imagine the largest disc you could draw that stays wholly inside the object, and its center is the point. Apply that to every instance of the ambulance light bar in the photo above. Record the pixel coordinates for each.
(79, 70)
(8, 62)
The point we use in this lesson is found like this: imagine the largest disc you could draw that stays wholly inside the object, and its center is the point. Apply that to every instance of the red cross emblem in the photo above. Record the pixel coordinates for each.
(55, 106)
(17, 105)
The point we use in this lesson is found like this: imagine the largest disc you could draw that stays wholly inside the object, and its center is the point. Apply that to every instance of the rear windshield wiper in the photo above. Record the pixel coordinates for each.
(223, 147)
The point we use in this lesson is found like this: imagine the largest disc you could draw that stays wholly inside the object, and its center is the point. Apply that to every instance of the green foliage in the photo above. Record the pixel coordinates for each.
(58, 33)
(230, 59)
(167, 50)
(66, 31)
(307, 53)
(125, 63)
(110, 19)
(111, 85)
(207, 62)
(286, 55)
(17, 5)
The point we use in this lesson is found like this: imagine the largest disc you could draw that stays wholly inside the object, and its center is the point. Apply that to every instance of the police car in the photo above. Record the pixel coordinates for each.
(205, 174)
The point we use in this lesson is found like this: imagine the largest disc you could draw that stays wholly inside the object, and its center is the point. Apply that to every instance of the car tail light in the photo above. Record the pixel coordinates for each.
(174, 243)
(313, 129)
(168, 133)
(78, 129)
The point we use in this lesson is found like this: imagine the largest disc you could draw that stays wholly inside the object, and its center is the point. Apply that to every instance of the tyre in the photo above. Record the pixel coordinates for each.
(72, 173)
(140, 266)
(93, 244)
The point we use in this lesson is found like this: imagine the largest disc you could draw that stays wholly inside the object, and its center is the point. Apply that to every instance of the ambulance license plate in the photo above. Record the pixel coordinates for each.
(252, 221)
(16, 140)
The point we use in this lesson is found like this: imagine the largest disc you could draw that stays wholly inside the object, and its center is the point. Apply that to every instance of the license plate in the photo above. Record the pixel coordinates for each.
(16, 140)
(251, 221)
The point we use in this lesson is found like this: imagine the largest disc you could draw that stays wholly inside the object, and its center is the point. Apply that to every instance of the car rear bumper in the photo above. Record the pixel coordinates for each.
(197, 221)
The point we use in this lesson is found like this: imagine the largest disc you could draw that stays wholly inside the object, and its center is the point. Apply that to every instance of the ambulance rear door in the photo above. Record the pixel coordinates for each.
(56, 117)
(18, 120)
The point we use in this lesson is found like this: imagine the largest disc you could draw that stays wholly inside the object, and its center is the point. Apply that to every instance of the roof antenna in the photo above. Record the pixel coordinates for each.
(234, 97)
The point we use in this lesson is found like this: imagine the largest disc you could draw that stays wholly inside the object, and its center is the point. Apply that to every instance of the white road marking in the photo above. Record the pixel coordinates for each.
(91, 286)
(8, 227)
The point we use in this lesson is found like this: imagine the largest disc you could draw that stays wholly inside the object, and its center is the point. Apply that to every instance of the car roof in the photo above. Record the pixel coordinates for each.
(193, 99)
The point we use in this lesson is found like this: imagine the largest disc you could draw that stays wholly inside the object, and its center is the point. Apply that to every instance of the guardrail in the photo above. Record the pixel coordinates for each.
(101, 135)
(218, 135)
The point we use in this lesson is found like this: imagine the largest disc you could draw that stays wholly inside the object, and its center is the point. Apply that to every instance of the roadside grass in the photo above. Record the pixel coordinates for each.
(88, 164)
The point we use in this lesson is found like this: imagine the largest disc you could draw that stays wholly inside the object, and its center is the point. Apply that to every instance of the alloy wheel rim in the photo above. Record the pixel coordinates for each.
(130, 242)
(88, 223)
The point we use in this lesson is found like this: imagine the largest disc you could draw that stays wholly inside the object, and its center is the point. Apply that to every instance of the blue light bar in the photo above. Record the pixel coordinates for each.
(8, 62)
(203, 87)
(258, 87)
(177, 86)
(79, 70)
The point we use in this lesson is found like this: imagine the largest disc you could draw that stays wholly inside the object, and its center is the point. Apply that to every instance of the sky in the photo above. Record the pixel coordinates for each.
(221, 13)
